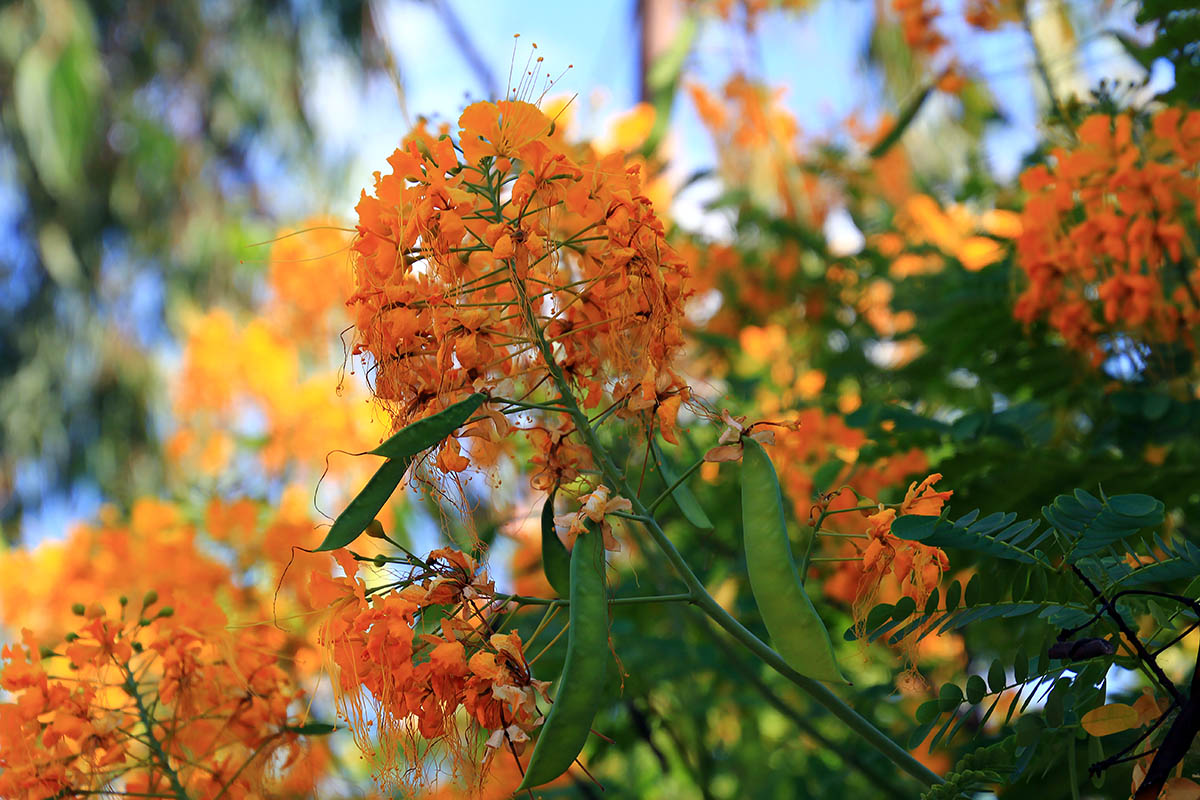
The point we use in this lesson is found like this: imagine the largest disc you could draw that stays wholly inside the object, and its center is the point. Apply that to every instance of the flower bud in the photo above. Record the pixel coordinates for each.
(150, 599)
(78, 609)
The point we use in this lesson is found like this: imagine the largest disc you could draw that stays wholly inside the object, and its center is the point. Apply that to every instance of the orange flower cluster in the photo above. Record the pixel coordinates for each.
(471, 269)
(140, 703)
(157, 549)
(408, 684)
(1105, 244)
(230, 367)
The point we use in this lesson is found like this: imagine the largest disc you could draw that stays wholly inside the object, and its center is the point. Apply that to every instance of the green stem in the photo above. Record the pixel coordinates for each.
(700, 596)
(131, 689)
(514, 404)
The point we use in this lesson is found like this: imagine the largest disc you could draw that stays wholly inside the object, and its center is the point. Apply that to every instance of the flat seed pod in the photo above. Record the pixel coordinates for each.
(581, 686)
(796, 629)
(556, 561)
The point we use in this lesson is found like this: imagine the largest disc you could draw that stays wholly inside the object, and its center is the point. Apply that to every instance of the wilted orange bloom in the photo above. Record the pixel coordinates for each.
(595, 507)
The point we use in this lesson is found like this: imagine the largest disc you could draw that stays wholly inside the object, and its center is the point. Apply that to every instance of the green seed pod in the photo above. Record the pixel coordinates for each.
(581, 687)
(556, 561)
(796, 629)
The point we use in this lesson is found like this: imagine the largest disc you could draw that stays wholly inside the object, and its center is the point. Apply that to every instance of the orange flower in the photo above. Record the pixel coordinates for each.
(504, 129)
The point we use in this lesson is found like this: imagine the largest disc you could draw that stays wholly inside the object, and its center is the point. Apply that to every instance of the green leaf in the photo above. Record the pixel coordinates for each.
(949, 697)
(1091, 524)
(399, 450)
(997, 676)
(928, 711)
(907, 115)
(425, 433)
(662, 79)
(681, 494)
(366, 505)
(998, 535)
(976, 689)
(311, 729)
(1156, 405)
(953, 595)
(971, 594)
(54, 95)
(1021, 666)
(795, 628)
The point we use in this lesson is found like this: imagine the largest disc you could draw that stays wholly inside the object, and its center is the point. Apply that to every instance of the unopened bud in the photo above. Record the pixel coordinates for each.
(123, 600)
(166, 611)
(380, 560)
(375, 530)
(78, 610)
(150, 599)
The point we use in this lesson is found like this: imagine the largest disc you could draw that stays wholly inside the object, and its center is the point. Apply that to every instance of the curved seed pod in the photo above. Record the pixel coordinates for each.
(556, 561)
(581, 687)
(399, 450)
(796, 629)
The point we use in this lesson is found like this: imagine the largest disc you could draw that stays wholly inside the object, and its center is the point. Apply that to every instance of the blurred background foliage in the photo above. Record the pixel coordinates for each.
(142, 149)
